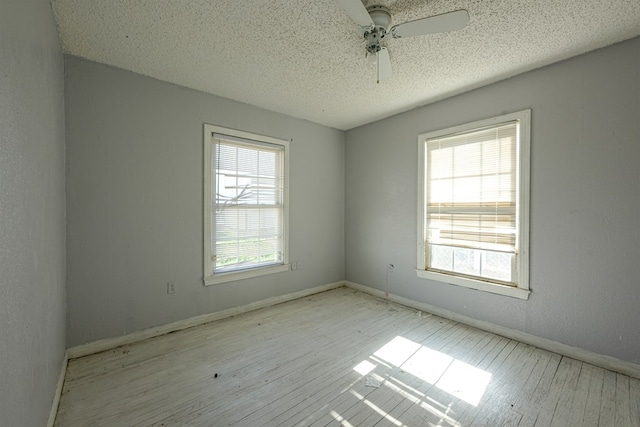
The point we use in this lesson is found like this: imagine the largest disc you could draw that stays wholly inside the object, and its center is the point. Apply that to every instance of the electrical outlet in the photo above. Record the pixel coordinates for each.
(298, 265)
(171, 287)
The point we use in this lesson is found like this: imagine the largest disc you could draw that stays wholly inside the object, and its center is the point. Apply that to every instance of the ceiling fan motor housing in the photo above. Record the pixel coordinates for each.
(381, 18)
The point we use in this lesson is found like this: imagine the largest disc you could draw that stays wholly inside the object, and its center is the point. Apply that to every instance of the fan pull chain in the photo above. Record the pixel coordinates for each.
(378, 67)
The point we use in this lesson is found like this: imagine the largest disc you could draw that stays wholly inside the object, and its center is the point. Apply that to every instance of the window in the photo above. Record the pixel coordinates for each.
(246, 205)
(473, 203)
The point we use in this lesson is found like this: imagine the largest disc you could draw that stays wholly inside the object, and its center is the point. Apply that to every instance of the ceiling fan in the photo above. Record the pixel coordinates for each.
(375, 22)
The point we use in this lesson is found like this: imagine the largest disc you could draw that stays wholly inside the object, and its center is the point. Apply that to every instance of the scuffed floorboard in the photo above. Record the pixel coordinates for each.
(341, 357)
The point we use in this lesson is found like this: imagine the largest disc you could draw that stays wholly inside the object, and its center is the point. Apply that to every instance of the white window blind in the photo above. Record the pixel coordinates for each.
(248, 204)
(471, 203)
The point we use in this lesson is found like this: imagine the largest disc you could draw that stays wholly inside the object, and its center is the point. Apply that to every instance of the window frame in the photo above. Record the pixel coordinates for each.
(521, 290)
(209, 277)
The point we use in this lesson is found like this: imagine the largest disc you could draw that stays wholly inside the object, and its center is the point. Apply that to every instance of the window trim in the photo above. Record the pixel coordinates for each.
(217, 278)
(522, 290)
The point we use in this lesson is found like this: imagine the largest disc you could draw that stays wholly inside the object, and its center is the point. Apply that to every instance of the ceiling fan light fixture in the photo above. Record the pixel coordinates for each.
(372, 58)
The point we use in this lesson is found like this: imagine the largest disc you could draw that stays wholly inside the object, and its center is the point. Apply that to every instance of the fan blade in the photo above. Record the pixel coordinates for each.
(450, 21)
(356, 10)
(385, 72)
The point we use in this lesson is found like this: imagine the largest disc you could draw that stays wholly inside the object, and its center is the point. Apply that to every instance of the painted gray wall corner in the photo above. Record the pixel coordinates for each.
(585, 202)
(135, 200)
(32, 212)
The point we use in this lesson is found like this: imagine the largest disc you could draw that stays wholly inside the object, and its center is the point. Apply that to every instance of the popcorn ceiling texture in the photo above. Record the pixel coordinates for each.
(306, 58)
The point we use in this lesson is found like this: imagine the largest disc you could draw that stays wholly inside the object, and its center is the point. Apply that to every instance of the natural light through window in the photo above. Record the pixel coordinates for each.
(340, 419)
(425, 402)
(246, 205)
(473, 200)
(427, 364)
(397, 351)
(464, 381)
(457, 378)
(364, 367)
(377, 409)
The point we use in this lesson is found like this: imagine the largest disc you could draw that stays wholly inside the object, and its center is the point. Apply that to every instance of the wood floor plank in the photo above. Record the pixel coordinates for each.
(530, 406)
(622, 401)
(519, 382)
(565, 405)
(497, 395)
(634, 401)
(567, 374)
(497, 367)
(607, 405)
(309, 362)
(587, 396)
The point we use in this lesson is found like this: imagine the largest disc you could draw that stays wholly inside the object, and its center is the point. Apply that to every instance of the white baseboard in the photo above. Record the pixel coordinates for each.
(607, 362)
(58, 392)
(110, 343)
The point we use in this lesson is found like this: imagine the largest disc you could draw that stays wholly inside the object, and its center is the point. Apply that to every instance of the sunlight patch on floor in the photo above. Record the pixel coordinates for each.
(455, 377)
(444, 416)
(465, 382)
(397, 351)
(340, 419)
(376, 408)
(364, 367)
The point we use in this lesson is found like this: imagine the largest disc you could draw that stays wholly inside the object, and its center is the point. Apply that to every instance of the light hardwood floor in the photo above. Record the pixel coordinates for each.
(341, 357)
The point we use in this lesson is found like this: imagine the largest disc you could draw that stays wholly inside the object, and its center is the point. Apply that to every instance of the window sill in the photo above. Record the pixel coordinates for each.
(244, 274)
(475, 284)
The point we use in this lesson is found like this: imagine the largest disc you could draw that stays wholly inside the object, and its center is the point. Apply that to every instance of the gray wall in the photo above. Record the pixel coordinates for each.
(585, 202)
(32, 212)
(135, 200)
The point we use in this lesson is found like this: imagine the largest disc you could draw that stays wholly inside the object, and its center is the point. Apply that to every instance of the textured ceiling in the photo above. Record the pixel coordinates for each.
(305, 58)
